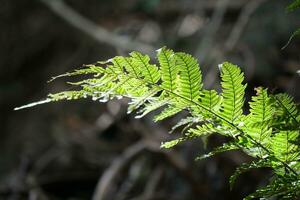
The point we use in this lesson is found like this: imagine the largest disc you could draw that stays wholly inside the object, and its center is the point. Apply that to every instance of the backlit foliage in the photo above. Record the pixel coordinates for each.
(269, 133)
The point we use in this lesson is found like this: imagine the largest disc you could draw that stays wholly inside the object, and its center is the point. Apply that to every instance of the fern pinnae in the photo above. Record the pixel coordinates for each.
(130, 68)
(115, 87)
(285, 187)
(118, 63)
(261, 112)
(135, 88)
(151, 106)
(230, 146)
(283, 146)
(170, 111)
(211, 100)
(190, 76)
(233, 92)
(187, 136)
(168, 68)
(149, 71)
(187, 122)
(294, 5)
(238, 97)
(287, 104)
(246, 167)
(87, 69)
(176, 84)
(136, 103)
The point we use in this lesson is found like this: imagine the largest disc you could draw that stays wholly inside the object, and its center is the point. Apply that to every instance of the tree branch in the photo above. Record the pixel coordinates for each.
(95, 31)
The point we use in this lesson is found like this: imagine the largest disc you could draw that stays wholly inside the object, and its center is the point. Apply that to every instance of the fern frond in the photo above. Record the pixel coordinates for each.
(224, 148)
(137, 102)
(169, 69)
(285, 187)
(294, 5)
(128, 63)
(284, 147)
(149, 71)
(187, 122)
(168, 112)
(270, 132)
(233, 92)
(190, 82)
(211, 100)
(89, 69)
(259, 119)
(151, 106)
(285, 107)
(172, 143)
(204, 129)
(246, 167)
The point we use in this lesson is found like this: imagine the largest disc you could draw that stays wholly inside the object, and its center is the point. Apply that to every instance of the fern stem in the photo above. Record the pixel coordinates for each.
(287, 110)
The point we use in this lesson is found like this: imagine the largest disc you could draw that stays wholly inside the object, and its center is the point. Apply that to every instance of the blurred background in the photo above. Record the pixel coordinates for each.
(83, 149)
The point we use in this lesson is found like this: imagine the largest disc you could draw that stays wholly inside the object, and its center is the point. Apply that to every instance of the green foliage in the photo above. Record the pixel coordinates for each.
(290, 8)
(294, 5)
(294, 34)
(269, 133)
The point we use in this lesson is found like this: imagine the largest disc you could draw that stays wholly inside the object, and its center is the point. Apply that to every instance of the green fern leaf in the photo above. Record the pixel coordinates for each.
(246, 167)
(169, 69)
(168, 112)
(270, 132)
(149, 71)
(172, 143)
(137, 102)
(224, 148)
(190, 82)
(151, 106)
(210, 100)
(259, 119)
(187, 122)
(204, 130)
(89, 69)
(132, 68)
(286, 187)
(284, 147)
(294, 5)
(287, 109)
(233, 92)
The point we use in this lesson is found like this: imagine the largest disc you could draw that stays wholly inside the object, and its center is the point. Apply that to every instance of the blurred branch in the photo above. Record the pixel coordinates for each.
(95, 31)
(18, 183)
(151, 185)
(207, 40)
(241, 23)
(176, 6)
(153, 138)
(232, 40)
(117, 165)
(109, 176)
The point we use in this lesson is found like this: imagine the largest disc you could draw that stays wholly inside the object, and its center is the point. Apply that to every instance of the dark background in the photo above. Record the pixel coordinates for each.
(61, 150)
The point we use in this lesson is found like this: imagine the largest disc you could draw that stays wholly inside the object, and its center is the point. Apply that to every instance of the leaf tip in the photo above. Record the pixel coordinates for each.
(33, 104)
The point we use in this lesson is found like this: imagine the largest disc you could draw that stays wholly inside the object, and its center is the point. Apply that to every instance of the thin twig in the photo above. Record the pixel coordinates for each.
(151, 186)
(233, 37)
(117, 165)
(241, 23)
(207, 40)
(95, 31)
